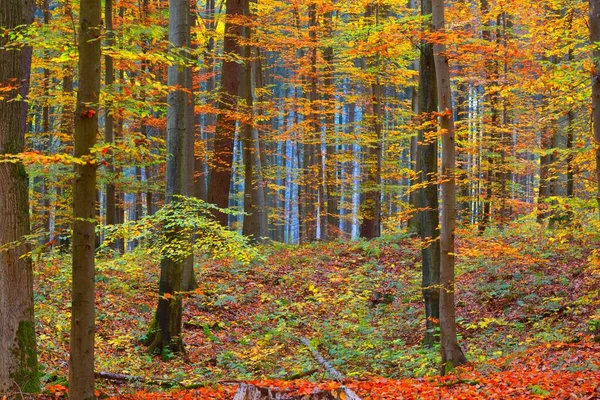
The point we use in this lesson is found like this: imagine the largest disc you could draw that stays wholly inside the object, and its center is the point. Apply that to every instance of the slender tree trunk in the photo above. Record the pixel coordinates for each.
(452, 354)
(18, 352)
(255, 219)
(222, 159)
(111, 205)
(331, 162)
(200, 188)
(81, 373)
(428, 194)
(594, 23)
(371, 204)
(570, 155)
(544, 190)
(491, 72)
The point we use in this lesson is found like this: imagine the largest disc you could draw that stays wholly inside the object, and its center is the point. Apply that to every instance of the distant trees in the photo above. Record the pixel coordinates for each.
(18, 353)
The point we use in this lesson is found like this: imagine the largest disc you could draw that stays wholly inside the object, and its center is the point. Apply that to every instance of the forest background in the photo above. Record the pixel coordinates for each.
(300, 170)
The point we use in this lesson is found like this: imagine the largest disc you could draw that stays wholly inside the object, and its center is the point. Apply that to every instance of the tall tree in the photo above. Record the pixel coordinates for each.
(428, 176)
(370, 226)
(164, 335)
(18, 355)
(81, 373)
(222, 159)
(594, 23)
(255, 209)
(452, 354)
(109, 137)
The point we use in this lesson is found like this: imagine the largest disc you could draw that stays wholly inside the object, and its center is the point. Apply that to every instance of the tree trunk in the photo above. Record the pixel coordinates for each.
(189, 277)
(109, 137)
(332, 165)
(371, 205)
(428, 194)
(255, 219)
(18, 353)
(222, 159)
(452, 354)
(594, 23)
(81, 373)
(164, 336)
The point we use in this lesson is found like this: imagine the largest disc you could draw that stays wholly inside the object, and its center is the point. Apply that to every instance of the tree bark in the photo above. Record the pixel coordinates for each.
(332, 165)
(81, 373)
(371, 205)
(109, 136)
(18, 353)
(222, 158)
(255, 219)
(452, 354)
(428, 193)
(164, 335)
(594, 23)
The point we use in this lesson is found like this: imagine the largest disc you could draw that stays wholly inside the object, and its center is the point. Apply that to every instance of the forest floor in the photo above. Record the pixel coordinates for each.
(527, 301)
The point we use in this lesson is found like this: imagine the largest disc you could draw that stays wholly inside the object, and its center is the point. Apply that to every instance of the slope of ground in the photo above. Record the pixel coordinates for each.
(526, 302)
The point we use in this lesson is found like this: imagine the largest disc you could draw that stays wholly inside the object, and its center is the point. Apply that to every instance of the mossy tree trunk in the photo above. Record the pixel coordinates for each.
(18, 356)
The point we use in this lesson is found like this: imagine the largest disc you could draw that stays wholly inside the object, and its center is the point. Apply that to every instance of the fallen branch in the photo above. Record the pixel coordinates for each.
(347, 393)
(158, 381)
(301, 375)
(321, 360)
(132, 378)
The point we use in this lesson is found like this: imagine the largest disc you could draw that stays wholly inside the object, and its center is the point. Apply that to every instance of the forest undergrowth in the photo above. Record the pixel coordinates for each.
(528, 304)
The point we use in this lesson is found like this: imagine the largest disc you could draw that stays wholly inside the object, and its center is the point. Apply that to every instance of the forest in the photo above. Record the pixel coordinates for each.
(299, 199)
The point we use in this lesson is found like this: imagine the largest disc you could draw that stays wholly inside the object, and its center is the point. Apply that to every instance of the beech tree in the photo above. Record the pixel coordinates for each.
(81, 373)
(164, 335)
(594, 23)
(221, 163)
(452, 355)
(428, 176)
(18, 354)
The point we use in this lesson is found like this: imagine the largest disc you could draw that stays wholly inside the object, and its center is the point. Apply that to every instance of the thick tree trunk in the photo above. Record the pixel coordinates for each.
(452, 354)
(164, 335)
(18, 354)
(428, 194)
(189, 277)
(594, 23)
(81, 373)
(222, 159)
